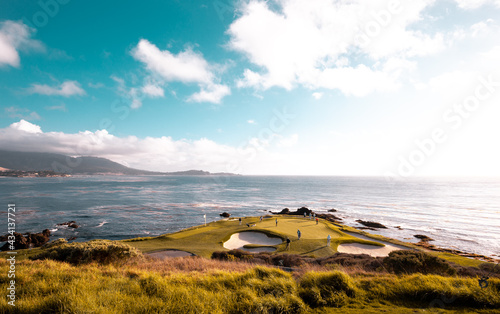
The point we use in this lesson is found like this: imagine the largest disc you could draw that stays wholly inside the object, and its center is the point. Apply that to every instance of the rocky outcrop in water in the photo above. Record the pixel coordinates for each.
(304, 210)
(423, 237)
(70, 224)
(300, 211)
(27, 240)
(371, 224)
(225, 215)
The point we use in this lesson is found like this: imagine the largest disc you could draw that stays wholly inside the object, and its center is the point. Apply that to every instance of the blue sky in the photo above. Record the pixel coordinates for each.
(279, 87)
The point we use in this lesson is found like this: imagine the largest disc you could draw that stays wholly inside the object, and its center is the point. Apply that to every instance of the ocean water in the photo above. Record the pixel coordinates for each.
(461, 214)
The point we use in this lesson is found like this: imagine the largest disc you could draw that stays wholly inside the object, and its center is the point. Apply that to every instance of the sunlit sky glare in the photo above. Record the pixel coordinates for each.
(293, 87)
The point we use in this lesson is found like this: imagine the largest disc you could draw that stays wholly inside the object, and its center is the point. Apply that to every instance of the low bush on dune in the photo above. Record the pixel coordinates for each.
(100, 251)
(286, 260)
(55, 243)
(363, 262)
(433, 291)
(409, 262)
(398, 262)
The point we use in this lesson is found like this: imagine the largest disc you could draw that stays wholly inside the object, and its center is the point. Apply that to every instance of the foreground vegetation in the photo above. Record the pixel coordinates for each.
(198, 285)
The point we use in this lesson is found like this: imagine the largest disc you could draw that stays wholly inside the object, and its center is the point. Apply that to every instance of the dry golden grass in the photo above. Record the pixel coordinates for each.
(185, 264)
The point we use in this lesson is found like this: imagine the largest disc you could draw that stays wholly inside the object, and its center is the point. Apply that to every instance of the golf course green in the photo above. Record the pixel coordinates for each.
(204, 240)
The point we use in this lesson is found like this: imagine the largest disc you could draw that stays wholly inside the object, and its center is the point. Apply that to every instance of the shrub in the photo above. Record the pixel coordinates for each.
(356, 261)
(223, 256)
(101, 251)
(55, 243)
(289, 260)
(327, 289)
(433, 291)
(408, 262)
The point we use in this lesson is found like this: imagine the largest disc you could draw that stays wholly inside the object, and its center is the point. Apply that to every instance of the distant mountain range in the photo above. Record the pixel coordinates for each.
(27, 161)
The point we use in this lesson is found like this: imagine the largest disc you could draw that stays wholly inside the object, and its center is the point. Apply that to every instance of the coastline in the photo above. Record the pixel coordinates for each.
(181, 202)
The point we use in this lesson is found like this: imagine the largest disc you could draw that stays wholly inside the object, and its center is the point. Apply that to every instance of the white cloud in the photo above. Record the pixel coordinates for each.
(474, 4)
(96, 85)
(25, 126)
(250, 121)
(150, 153)
(493, 55)
(66, 89)
(15, 36)
(187, 66)
(449, 83)
(212, 93)
(317, 95)
(153, 90)
(359, 81)
(290, 141)
(136, 95)
(22, 113)
(309, 43)
(61, 107)
(488, 27)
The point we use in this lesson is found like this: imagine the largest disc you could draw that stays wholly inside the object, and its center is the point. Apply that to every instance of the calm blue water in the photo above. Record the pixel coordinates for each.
(459, 213)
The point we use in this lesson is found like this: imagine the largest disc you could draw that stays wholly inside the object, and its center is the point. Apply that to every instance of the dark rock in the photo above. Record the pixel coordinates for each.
(423, 237)
(72, 238)
(284, 211)
(70, 224)
(398, 227)
(371, 224)
(225, 215)
(333, 210)
(302, 211)
(27, 240)
(329, 217)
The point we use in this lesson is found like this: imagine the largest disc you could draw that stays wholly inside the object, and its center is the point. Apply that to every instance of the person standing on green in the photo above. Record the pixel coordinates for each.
(328, 240)
(299, 233)
(276, 222)
(287, 244)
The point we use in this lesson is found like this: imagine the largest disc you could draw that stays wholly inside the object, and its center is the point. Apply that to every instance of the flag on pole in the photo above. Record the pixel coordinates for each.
(205, 216)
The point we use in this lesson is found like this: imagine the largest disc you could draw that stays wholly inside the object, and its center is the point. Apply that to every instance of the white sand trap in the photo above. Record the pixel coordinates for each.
(170, 253)
(238, 240)
(372, 250)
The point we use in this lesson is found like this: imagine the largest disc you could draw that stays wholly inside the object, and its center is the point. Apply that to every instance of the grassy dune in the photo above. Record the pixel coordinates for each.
(146, 286)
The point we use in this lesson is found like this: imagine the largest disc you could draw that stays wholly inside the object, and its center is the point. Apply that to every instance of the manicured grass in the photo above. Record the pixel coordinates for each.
(204, 240)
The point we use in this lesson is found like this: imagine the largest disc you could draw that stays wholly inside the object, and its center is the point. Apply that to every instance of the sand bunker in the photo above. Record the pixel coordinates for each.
(170, 253)
(238, 240)
(372, 250)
